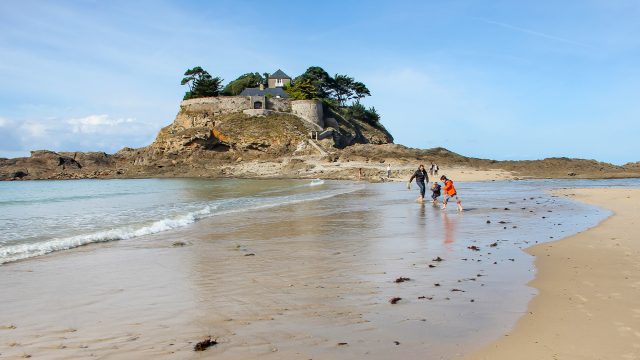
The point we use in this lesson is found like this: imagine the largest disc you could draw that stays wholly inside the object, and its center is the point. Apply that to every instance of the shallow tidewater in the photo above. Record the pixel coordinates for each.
(284, 269)
(39, 217)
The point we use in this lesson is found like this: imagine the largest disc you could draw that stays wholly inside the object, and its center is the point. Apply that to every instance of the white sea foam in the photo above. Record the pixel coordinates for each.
(16, 252)
(23, 251)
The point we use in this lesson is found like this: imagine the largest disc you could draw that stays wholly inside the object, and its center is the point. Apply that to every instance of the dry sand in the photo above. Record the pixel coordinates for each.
(589, 301)
(375, 171)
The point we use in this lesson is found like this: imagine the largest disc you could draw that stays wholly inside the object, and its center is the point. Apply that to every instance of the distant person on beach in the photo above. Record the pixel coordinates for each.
(421, 176)
(435, 168)
(388, 171)
(435, 192)
(360, 174)
(450, 192)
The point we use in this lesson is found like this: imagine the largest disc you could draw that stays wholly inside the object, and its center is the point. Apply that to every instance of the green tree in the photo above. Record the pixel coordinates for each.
(359, 91)
(358, 111)
(248, 80)
(342, 88)
(372, 116)
(302, 90)
(319, 79)
(201, 83)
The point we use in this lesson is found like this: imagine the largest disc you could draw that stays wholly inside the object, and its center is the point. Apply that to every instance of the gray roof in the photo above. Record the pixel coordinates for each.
(279, 75)
(257, 92)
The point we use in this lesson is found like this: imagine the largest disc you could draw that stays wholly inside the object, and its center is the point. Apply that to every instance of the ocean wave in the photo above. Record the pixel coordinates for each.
(27, 250)
(312, 183)
(316, 182)
(67, 198)
(24, 251)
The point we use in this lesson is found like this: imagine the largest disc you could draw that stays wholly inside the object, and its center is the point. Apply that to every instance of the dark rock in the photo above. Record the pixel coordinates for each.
(19, 174)
(68, 163)
(204, 344)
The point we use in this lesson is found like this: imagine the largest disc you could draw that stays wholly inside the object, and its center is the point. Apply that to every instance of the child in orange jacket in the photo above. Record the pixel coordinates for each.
(450, 192)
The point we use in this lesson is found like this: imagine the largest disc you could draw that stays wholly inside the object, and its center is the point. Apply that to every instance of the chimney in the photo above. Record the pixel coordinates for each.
(261, 86)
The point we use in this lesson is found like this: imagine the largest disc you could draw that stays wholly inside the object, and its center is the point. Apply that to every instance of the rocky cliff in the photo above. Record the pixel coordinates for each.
(207, 137)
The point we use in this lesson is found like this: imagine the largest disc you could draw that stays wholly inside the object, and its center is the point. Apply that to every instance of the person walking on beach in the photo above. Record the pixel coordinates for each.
(388, 171)
(450, 192)
(435, 192)
(431, 169)
(435, 168)
(421, 176)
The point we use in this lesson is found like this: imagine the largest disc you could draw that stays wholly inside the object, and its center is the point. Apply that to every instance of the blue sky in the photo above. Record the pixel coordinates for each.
(491, 79)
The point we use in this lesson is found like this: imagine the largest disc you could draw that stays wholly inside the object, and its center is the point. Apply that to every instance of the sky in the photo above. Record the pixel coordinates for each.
(490, 79)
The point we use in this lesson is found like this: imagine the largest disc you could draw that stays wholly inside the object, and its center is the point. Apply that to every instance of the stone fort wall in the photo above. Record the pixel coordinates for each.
(309, 110)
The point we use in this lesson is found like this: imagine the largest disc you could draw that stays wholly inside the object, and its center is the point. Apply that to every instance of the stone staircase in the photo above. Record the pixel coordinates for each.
(317, 147)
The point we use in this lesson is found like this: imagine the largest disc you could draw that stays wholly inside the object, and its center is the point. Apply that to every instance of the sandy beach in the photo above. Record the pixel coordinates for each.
(312, 280)
(589, 284)
(373, 171)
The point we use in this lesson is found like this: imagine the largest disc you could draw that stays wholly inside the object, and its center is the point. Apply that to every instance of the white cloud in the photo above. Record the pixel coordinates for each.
(96, 132)
(35, 129)
(98, 123)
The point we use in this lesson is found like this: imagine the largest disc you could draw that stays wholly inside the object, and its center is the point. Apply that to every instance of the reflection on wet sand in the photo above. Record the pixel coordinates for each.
(449, 224)
(307, 280)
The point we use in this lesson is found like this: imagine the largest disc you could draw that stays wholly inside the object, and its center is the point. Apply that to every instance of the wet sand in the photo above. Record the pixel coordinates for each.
(589, 302)
(309, 280)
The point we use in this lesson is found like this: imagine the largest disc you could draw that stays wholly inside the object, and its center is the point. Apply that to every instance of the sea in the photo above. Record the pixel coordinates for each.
(41, 217)
(292, 265)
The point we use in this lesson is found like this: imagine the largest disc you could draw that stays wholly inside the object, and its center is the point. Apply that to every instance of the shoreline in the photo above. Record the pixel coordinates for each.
(336, 165)
(588, 286)
(228, 277)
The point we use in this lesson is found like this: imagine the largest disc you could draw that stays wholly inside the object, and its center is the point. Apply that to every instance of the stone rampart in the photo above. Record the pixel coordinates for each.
(310, 110)
(201, 111)
(279, 104)
(217, 105)
(229, 104)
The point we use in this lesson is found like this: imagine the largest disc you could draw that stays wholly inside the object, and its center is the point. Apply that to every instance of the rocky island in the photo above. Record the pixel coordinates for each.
(280, 129)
